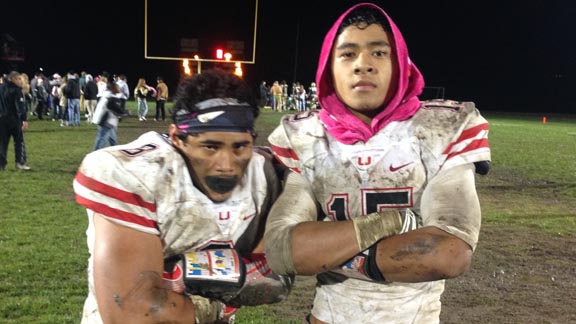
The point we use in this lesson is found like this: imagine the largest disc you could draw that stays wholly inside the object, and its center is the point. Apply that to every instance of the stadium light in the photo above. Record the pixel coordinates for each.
(219, 53)
(197, 58)
(186, 65)
(238, 69)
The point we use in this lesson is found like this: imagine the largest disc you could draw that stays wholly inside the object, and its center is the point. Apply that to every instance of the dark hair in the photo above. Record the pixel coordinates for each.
(363, 17)
(212, 83)
(111, 84)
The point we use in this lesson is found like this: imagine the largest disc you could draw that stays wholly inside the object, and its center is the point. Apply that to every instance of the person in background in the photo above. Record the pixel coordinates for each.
(263, 94)
(41, 99)
(90, 96)
(33, 85)
(124, 92)
(106, 116)
(140, 93)
(284, 86)
(301, 98)
(102, 83)
(27, 92)
(161, 98)
(276, 92)
(63, 101)
(312, 96)
(82, 105)
(385, 184)
(72, 93)
(201, 189)
(13, 121)
(55, 97)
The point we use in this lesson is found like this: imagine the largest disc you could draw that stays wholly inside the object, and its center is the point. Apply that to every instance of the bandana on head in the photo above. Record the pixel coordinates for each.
(340, 122)
(217, 115)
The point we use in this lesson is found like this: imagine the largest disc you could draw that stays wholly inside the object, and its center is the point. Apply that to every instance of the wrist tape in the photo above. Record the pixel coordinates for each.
(376, 226)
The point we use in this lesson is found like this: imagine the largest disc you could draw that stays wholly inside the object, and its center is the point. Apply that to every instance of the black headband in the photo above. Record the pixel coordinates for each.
(217, 115)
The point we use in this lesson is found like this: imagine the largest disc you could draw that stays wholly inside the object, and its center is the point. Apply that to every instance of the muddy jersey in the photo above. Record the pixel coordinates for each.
(390, 170)
(145, 185)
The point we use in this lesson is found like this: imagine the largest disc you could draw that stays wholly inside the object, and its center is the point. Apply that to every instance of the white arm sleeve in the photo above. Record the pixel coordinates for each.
(450, 202)
(295, 205)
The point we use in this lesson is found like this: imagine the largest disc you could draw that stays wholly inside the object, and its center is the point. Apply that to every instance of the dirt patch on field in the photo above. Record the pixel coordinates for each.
(517, 276)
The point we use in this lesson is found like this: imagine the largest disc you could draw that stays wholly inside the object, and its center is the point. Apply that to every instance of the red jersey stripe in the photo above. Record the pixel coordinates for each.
(284, 152)
(474, 145)
(467, 134)
(115, 213)
(112, 192)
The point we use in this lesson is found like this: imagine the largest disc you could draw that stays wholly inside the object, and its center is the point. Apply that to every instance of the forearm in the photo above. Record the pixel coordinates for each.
(425, 254)
(149, 301)
(321, 246)
(296, 243)
(128, 268)
(443, 247)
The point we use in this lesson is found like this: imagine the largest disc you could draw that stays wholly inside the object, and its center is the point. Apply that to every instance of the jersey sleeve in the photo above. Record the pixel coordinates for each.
(282, 147)
(470, 143)
(105, 185)
(450, 202)
(451, 134)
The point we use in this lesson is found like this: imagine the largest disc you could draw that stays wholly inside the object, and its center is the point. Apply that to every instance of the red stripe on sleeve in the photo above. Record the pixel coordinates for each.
(281, 152)
(284, 152)
(467, 134)
(481, 143)
(116, 213)
(284, 164)
(122, 195)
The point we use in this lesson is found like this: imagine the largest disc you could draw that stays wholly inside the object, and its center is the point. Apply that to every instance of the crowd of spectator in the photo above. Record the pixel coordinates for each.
(280, 97)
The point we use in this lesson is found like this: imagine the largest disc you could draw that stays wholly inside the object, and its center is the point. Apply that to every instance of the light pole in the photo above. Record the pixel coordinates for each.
(199, 63)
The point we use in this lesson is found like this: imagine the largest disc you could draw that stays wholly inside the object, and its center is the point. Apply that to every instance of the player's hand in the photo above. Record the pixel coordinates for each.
(209, 273)
(363, 265)
(373, 227)
(222, 275)
(262, 286)
(409, 221)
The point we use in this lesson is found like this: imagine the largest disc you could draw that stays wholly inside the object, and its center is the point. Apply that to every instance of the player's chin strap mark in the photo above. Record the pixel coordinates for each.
(217, 115)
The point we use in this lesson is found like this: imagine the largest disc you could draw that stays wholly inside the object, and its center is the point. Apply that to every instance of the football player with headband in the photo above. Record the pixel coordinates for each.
(176, 220)
(387, 206)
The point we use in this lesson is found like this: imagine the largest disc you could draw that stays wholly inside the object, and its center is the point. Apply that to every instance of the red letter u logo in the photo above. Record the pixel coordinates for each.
(224, 217)
(368, 161)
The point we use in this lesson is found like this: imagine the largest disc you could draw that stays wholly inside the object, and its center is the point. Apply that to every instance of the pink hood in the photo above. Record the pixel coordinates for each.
(341, 123)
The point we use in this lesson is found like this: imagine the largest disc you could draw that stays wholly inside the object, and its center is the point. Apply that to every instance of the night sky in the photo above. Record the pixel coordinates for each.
(503, 55)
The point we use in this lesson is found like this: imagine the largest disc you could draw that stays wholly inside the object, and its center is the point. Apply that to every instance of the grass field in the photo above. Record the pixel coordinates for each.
(43, 255)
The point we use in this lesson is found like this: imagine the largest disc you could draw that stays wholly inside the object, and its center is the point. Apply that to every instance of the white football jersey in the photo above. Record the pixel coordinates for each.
(146, 185)
(390, 170)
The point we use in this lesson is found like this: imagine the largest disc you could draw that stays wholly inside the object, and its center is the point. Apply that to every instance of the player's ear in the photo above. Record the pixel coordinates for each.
(178, 139)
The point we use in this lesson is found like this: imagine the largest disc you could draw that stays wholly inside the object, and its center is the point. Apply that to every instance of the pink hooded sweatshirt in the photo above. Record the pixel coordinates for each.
(340, 122)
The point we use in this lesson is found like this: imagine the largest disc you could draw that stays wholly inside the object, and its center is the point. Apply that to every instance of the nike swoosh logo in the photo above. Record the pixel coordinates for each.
(394, 169)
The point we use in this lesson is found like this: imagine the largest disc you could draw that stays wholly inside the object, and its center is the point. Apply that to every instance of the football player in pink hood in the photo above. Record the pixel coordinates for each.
(381, 202)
